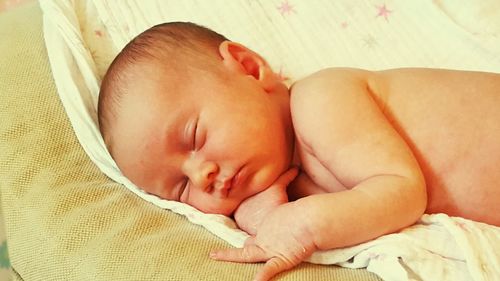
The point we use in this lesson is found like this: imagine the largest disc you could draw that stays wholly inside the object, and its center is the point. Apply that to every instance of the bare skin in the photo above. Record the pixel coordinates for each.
(451, 128)
(399, 142)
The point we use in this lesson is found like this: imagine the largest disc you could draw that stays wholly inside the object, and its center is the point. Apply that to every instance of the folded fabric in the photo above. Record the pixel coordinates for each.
(437, 247)
(82, 37)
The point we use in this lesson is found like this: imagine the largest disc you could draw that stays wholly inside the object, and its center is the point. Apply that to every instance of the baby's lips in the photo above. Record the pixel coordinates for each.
(238, 179)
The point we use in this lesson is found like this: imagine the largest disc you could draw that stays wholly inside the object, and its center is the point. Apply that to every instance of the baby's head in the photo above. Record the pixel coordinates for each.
(190, 116)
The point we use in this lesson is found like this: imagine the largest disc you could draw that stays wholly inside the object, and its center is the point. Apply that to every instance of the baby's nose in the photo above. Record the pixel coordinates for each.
(202, 173)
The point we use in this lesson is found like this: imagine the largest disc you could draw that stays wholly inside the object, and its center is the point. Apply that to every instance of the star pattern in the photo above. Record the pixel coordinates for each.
(383, 12)
(285, 8)
(369, 41)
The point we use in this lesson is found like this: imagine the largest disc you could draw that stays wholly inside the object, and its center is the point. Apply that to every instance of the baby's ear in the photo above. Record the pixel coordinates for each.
(239, 58)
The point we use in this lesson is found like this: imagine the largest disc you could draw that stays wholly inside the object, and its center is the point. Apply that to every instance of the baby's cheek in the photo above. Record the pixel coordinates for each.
(263, 179)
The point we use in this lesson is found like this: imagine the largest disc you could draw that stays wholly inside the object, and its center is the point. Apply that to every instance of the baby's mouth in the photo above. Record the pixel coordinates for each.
(238, 179)
(232, 184)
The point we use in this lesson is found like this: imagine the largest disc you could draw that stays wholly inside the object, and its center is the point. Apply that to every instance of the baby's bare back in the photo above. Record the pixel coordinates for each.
(451, 120)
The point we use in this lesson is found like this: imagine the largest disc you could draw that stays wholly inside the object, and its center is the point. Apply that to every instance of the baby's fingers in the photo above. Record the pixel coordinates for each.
(273, 267)
(249, 253)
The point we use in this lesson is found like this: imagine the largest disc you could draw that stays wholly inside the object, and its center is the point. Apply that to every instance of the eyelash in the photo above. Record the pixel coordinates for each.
(194, 135)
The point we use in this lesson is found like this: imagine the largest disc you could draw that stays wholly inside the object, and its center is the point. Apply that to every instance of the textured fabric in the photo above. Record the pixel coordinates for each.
(64, 219)
(14, 276)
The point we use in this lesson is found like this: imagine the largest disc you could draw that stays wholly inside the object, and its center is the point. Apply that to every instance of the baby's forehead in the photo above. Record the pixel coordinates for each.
(154, 84)
(153, 90)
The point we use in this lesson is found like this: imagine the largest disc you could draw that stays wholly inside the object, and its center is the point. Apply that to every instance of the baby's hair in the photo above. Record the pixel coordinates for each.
(172, 44)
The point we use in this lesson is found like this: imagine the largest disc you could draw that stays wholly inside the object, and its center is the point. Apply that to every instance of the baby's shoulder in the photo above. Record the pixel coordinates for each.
(324, 84)
(320, 101)
(308, 96)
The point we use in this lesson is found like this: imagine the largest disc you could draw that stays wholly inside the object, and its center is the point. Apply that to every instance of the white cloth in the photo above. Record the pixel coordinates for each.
(438, 247)
(297, 38)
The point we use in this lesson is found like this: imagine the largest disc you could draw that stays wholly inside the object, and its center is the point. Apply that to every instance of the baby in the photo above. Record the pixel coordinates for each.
(190, 116)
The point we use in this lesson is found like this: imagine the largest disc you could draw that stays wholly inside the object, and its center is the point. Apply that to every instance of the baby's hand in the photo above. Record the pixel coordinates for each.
(282, 237)
(253, 210)
(283, 241)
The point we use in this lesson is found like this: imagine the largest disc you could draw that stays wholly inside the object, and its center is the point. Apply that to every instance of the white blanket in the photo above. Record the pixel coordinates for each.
(297, 38)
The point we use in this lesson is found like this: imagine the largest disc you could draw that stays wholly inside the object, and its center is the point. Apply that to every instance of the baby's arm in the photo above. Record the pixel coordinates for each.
(354, 141)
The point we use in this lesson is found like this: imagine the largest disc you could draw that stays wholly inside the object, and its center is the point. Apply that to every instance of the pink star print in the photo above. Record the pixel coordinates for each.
(383, 11)
(344, 25)
(285, 8)
(98, 33)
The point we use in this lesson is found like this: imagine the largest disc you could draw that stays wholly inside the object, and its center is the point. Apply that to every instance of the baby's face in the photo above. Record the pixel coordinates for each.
(202, 141)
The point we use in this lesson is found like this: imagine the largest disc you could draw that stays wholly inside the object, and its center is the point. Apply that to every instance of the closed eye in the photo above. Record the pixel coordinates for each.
(200, 136)
(194, 135)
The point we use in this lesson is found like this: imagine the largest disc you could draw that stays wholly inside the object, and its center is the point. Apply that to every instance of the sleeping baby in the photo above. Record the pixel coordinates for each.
(339, 158)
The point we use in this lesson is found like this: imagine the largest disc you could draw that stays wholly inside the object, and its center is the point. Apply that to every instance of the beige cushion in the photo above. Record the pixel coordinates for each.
(65, 220)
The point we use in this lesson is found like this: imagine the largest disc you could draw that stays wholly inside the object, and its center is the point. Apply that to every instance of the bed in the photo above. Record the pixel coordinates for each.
(70, 216)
